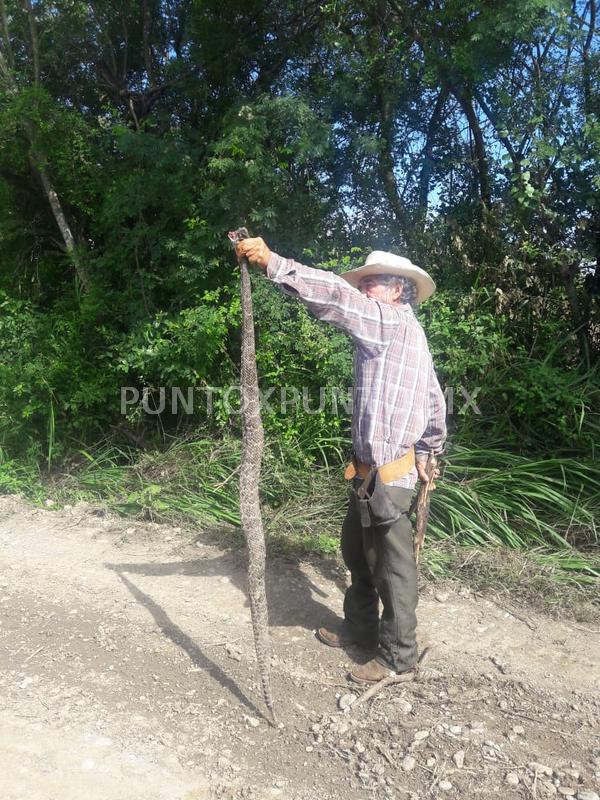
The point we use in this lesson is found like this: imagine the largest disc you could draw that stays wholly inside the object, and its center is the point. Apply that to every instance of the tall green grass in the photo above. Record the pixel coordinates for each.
(495, 497)
(547, 507)
(192, 480)
(20, 477)
(486, 498)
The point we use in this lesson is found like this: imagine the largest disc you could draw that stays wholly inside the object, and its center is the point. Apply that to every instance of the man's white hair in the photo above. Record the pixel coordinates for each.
(408, 286)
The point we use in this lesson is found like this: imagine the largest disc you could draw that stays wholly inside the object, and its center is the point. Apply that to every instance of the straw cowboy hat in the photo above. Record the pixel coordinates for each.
(380, 263)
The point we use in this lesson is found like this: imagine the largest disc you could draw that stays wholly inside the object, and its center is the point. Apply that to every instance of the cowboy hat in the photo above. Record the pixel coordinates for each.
(380, 263)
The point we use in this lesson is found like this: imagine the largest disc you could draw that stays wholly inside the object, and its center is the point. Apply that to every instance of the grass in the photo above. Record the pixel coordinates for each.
(20, 478)
(495, 497)
(513, 575)
(197, 482)
(490, 507)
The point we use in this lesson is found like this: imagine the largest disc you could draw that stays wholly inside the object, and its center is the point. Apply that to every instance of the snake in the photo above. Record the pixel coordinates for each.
(252, 452)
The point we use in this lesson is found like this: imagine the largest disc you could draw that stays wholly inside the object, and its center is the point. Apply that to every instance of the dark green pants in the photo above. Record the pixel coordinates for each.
(382, 566)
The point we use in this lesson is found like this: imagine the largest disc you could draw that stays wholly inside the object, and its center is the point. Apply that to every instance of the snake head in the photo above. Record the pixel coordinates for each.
(236, 236)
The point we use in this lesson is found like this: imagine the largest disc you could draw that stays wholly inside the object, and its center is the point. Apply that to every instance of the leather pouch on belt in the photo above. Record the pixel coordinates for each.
(376, 508)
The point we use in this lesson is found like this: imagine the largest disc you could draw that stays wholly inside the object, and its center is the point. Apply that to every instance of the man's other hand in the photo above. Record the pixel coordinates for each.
(423, 477)
(255, 250)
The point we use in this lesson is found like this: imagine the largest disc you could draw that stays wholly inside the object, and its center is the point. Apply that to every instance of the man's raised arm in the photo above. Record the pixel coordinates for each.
(330, 298)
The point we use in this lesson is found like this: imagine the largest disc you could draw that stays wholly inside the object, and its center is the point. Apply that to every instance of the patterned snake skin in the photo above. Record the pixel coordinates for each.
(252, 449)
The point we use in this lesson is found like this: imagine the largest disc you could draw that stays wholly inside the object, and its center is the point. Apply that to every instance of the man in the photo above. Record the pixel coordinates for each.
(398, 417)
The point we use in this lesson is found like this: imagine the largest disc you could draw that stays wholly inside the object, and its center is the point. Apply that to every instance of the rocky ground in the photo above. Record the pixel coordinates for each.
(127, 671)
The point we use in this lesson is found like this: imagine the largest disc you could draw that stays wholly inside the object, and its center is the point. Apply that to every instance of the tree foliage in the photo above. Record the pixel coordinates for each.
(134, 134)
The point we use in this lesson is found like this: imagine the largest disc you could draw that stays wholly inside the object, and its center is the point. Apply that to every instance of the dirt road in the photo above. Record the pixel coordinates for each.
(127, 671)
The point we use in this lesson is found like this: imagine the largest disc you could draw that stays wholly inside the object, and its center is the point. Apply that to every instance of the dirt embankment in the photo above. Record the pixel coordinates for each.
(127, 671)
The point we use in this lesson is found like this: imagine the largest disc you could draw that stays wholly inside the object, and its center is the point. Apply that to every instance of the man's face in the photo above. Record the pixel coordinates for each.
(373, 287)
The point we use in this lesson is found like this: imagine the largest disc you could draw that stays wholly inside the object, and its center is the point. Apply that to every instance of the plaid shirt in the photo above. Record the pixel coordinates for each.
(397, 401)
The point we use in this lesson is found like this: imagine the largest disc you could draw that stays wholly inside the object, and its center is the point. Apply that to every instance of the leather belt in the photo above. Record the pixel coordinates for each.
(392, 471)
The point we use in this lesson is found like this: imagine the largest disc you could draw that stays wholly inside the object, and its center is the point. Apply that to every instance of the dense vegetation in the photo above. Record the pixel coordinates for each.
(463, 133)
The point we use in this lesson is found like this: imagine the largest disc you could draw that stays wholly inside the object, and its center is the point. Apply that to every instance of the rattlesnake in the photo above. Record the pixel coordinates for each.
(252, 449)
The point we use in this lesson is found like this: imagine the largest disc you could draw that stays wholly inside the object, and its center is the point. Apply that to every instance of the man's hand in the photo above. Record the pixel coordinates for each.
(255, 250)
(423, 477)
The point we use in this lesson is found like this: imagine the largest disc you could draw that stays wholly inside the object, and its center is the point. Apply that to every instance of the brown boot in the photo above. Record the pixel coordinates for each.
(373, 671)
(341, 639)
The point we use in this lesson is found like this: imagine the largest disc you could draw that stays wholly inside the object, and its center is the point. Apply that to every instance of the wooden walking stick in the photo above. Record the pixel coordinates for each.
(422, 505)
(252, 449)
